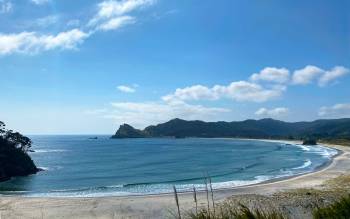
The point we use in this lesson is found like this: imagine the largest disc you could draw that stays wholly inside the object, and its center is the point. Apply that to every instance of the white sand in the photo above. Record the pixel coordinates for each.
(157, 206)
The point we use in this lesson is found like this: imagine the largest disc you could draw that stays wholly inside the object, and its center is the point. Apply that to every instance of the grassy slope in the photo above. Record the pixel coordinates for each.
(332, 201)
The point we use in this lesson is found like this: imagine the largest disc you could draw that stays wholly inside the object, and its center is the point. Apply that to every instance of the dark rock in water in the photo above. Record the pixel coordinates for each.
(40, 169)
(93, 138)
(309, 142)
(127, 131)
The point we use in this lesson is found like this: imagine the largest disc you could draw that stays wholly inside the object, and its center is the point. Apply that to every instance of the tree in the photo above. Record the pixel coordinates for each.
(2, 128)
(15, 138)
(14, 159)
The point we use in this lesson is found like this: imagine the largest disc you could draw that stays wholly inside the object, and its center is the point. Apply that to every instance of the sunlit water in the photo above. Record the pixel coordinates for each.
(79, 166)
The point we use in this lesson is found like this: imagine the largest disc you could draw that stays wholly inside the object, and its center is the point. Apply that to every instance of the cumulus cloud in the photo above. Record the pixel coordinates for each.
(271, 74)
(32, 42)
(306, 75)
(332, 75)
(5, 6)
(126, 89)
(337, 110)
(253, 91)
(312, 73)
(239, 91)
(196, 92)
(146, 113)
(40, 2)
(276, 112)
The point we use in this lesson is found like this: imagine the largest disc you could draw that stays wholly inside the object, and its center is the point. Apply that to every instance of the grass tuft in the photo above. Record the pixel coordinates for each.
(232, 212)
(338, 210)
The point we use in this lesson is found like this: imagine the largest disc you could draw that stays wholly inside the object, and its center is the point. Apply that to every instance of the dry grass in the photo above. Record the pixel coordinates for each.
(340, 183)
(338, 210)
(344, 142)
(300, 203)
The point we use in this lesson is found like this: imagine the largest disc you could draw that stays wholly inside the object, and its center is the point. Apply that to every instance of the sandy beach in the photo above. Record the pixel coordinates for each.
(160, 206)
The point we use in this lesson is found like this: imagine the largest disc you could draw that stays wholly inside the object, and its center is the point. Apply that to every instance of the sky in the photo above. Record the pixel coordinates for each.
(87, 66)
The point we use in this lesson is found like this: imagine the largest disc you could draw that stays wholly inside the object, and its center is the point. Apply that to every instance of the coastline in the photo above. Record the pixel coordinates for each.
(225, 187)
(159, 205)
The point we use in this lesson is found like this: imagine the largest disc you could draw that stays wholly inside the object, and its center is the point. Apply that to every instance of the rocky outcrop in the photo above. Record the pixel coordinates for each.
(14, 162)
(127, 131)
(309, 142)
(14, 159)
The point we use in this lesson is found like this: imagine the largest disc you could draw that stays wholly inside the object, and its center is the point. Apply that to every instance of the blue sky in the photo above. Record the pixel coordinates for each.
(80, 67)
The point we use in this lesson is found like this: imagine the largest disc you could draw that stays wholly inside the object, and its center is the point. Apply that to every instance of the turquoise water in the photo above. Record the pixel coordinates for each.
(79, 166)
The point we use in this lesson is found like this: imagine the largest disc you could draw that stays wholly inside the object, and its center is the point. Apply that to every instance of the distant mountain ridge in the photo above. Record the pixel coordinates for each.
(264, 128)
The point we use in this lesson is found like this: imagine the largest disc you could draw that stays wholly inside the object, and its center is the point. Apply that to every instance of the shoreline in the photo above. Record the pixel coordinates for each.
(268, 181)
(159, 205)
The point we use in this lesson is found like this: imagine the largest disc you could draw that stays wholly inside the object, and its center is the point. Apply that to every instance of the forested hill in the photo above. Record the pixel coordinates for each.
(264, 128)
(14, 159)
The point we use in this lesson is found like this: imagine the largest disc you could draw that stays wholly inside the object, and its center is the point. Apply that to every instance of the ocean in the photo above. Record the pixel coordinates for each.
(78, 166)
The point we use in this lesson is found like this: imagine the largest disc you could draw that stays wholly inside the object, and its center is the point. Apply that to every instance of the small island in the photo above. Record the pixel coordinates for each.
(14, 158)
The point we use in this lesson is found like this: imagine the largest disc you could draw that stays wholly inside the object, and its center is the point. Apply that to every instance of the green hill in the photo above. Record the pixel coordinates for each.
(264, 128)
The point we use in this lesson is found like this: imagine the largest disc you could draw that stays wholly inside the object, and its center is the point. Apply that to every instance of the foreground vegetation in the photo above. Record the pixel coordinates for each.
(242, 212)
(332, 200)
(338, 210)
(14, 159)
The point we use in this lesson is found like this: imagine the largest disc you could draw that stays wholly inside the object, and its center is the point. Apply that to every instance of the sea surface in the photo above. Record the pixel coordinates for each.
(78, 166)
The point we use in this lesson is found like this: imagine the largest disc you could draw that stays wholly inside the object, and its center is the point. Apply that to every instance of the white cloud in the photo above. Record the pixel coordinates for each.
(116, 23)
(276, 112)
(112, 14)
(306, 75)
(196, 92)
(312, 73)
(146, 113)
(239, 91)
(5, 6)
(271, 74)
(246, 91)
(112, 8)
(126, 89)
(32, 42)
(337, 110)
(40, 2)
(332, 75)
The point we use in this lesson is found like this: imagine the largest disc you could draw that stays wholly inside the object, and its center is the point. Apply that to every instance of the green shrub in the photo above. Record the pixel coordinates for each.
(338, 210)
